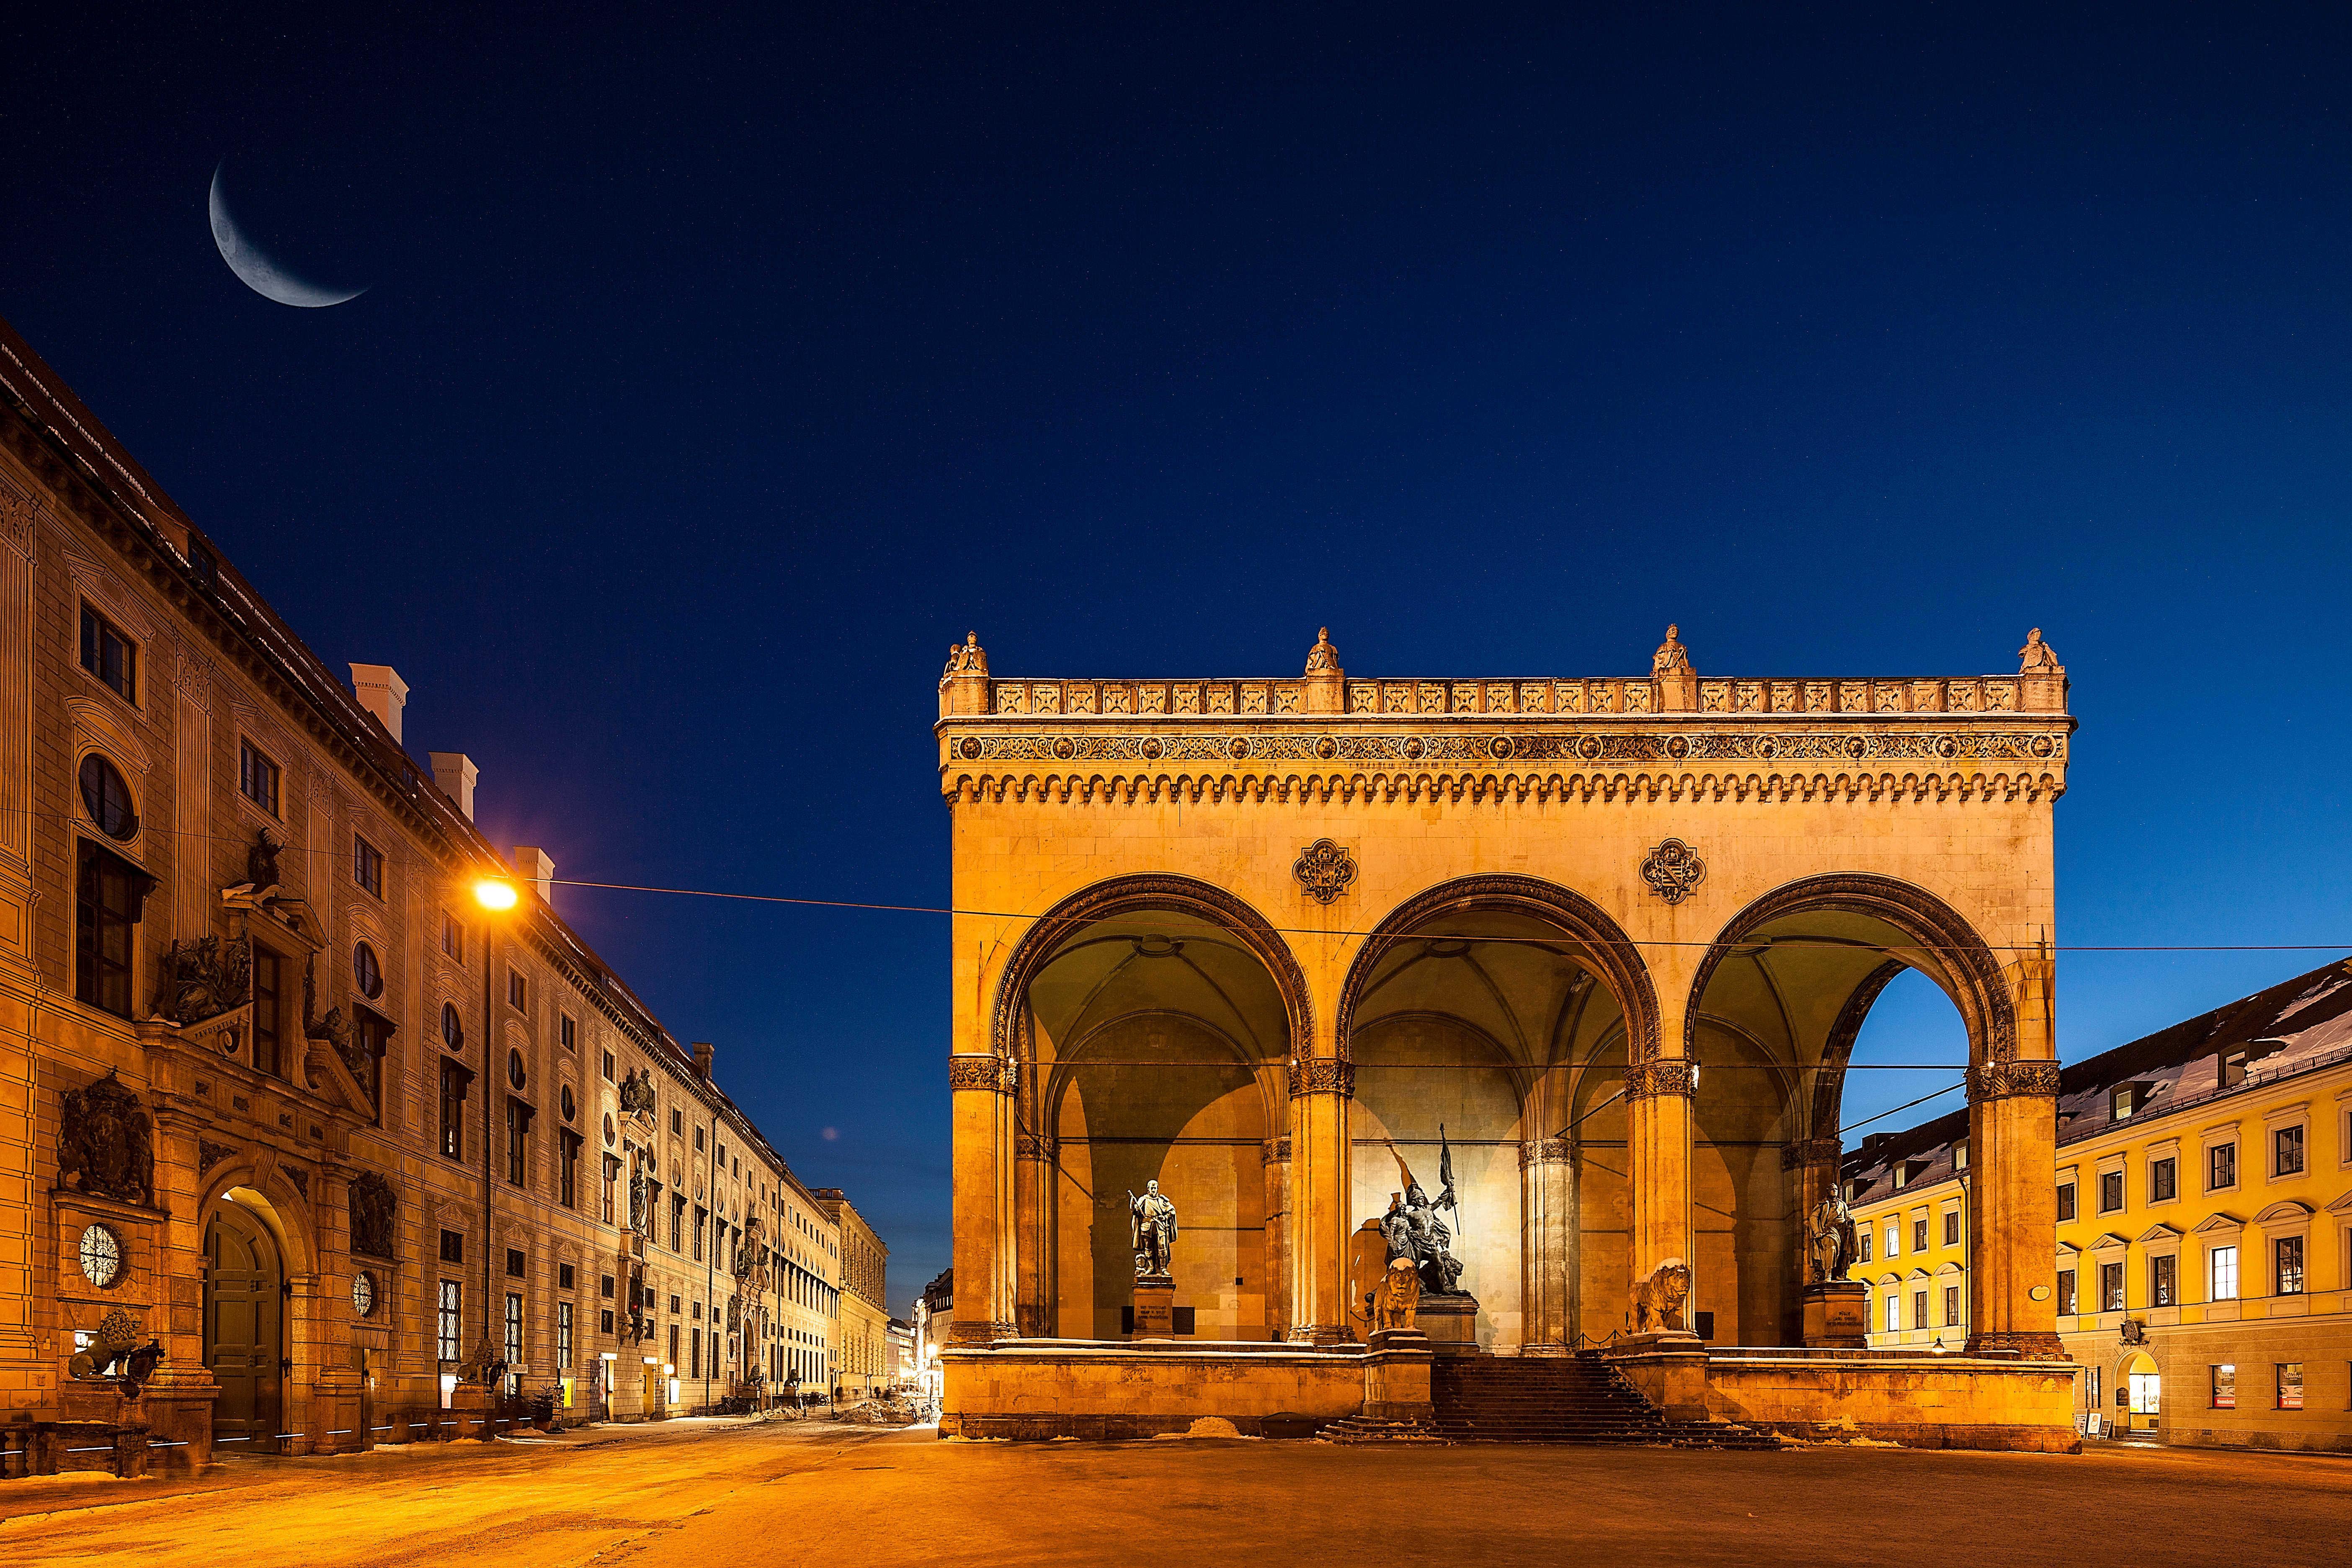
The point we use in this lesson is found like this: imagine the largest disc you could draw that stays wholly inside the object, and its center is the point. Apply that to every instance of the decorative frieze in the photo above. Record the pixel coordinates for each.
(1322, 1075)
(1844, 748)
(1668, 1075)
(988, 1073)
(1275, 1151)
(2011, 1080)
(1543, 1151)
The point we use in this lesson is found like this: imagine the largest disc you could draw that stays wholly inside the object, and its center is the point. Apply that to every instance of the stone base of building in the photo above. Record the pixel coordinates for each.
(1917, 1399)
(1104, 1389)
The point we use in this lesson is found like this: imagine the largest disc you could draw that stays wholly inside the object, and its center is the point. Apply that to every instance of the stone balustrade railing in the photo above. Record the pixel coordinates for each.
(1636, 695)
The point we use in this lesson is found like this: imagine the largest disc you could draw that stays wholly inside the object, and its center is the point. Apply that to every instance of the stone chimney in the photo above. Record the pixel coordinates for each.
(537, 868)
(702, 1055)
(382, 693)
(454, 774)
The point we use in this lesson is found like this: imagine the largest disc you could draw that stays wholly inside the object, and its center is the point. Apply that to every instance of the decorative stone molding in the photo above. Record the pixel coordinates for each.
(1471, 747)
(1543, 1151)
(1673, 870)
(2012, 1081)
(1275, 1151)
(1671, 1075)
(1322, 1075)
(990, 1073)
(1028, 1145)
(209, 1154)
(1812, 1151)
(1325, 871)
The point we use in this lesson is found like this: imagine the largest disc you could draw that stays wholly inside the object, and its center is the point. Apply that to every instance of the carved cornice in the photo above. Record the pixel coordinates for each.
(1543, 1151)
(1322, 1075)
(1812, 1151)
(2012, 1081)
(992, 1074)
(1672, 1075)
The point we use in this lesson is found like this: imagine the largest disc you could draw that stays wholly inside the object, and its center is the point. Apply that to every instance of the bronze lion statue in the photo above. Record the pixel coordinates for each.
(1658, 1300)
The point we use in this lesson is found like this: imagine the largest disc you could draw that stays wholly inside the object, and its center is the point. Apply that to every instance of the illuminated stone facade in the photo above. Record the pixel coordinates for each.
(1265, 940)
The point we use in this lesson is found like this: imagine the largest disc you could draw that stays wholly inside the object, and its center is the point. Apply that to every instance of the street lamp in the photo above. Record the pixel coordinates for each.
(496, 895)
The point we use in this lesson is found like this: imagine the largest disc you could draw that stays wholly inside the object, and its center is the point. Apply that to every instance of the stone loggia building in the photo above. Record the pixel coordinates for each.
(350, 1154)
(1282, 944)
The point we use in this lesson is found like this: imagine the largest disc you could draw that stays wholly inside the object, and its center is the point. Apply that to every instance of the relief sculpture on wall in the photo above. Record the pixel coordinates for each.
(106, 1143)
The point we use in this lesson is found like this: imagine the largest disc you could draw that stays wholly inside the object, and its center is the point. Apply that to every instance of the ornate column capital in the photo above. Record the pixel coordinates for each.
(1543, 1151)
(1810, 1152)
(2012, 1081)
(1322, 1075)
(990, 1073)
(1030, 1145)
(1667, 1075)
(1275, 1151)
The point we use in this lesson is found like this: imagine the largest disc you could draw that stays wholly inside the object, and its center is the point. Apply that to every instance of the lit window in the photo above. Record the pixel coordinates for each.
(2288, 1253)
(2225, 1386)
(2123, 1101)
(2111, 1286)
(447, 1326)
(109, 654)
(2222, 1269)
(2290, 1385)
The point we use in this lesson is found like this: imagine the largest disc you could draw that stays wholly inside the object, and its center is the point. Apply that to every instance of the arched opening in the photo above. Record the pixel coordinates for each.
(1487, 1022)
(1776, 1020)
(1154, 1027)
(244, 1321)
(2140, 1387)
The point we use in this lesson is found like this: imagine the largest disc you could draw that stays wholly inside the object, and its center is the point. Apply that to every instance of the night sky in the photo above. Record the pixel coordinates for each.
(714, 376)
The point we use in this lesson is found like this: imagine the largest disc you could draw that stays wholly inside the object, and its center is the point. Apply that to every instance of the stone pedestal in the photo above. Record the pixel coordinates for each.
(335, 1405)
(1837, 1315)
(1396, 1376)
(1155, 1308)
(1669, 1368)
(1451, 1322)
(470, 1411)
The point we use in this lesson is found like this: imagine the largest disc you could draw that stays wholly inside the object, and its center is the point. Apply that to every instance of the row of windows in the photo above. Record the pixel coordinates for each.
(2221, 1280)
(1893, 1310)
(1893, 1243)
(2287, 1158)
(2286, 1386)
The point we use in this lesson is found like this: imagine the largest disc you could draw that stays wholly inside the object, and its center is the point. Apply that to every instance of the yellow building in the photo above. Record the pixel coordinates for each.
(2204, 1226)
(861, 1358)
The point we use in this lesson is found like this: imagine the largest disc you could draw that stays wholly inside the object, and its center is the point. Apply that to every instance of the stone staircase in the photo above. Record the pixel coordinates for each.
(1561, 1399)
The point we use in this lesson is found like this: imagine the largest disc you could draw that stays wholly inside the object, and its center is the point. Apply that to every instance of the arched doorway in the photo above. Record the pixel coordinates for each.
(245, 1327)
(1494, 1012)
(1152, 1021)
(1776, 1007)
(2139, 1388)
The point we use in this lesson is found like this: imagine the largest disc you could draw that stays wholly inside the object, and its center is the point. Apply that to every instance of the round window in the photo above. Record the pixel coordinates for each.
(366, 972)
(453, 1031)
(363, 1294)
(568, 1106)
(107, 797)
(514, 1068)
(101, 1256)
(608, 1130)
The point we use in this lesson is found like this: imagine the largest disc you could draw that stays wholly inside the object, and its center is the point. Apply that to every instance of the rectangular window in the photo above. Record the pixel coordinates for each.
(2123, 1101)
(2221, 1166)
(694, 1350)
(449, 1321)
(2286, 1151)
(697, 1140)
(674, 1332)
(257, 776)
(1951, 1227)
(367, 865)
(2163, 1282)
(563, 1336)
(612, 1175)
(518, 991)
(268, 1015)
(2163, 1181)
(1918, 1309)
(2065, 1292)
(2225, 1386)
(514, 1329)
(2111, 1286)
(608, 1067)
(2288, 1252)
(1952, 1306)
(2221, 1274)
(1868, 1235)
(2234, 1069)
(109, 654)
(1919, 1234)
(605, 1286)
(2110, 1191)
(563, 1277)
(106, 907)
(677, 1123)
(567, 1171)
(516, 1263)
(567, 1032)
(677, 1225)
(518, 1141)
(2290, 1385)
(453, 937)
(2065, 1201)
(605, 1323)
(1894, 1241)
(453, 1247)
(373, 1033)
(454, 1080)
(701, 1222)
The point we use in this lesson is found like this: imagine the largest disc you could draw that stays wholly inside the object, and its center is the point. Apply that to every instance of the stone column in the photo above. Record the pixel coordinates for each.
(1658, 1139)
(1321, 1091)
(1275, 1157)
(2013, 1207)
(1547, 1247)
(983, 1204)
(1035, 1241)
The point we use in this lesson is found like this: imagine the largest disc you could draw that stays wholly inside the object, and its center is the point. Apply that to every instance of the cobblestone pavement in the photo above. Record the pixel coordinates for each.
(795, 1493)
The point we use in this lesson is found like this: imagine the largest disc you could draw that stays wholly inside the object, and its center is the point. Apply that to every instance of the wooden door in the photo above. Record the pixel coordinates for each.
(244, 1329)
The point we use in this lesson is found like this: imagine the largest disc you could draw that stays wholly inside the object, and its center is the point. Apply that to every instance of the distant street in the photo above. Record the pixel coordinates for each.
(695, 1494)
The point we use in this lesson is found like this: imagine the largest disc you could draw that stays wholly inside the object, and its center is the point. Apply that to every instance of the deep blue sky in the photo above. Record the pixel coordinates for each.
(715, 376)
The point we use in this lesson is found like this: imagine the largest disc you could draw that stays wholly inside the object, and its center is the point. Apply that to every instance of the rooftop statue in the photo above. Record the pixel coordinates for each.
(1322, 658)
(1672, 658)
(2038, 658)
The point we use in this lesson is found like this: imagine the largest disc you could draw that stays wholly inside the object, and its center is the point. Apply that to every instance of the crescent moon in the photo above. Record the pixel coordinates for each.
(260, 274)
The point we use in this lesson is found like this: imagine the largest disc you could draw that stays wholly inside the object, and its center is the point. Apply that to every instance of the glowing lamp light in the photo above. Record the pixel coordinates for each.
(493, 894)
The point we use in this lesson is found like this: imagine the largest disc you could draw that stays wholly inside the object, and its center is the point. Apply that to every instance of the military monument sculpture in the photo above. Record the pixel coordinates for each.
(1413, 1233)
(1151, 1232)
(1836, 1310)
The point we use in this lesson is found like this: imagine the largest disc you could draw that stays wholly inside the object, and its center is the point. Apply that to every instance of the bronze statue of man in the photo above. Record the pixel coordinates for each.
(1151, 1231)
(1832, 1241)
